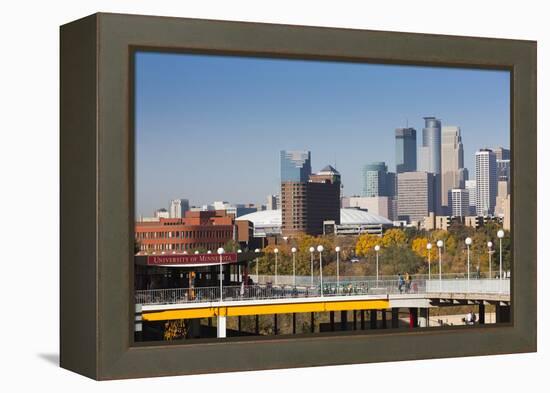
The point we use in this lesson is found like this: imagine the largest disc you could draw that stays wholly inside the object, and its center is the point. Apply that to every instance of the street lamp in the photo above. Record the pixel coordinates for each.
(311, 251)
(377, 248)
(220, 252)
(337, 249)
(320, 248)
(439, 245)
(429, 248)
(209, 252)
(500, 235)
(468, 242)
(490, 247)
(294, 263)
(276, 251)
(197, 252)
(257, 251)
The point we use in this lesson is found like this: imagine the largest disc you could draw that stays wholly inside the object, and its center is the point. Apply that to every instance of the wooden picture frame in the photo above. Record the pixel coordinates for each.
(97, 171)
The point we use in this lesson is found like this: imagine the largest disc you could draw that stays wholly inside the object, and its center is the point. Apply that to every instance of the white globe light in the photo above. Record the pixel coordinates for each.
(163, 253)
(490, 244)
(196, 252)
(377, 248)
(500, 234)
(257, 250)
(185, 253)
(468, 241)
(439, 243)
(429, 246)
(320, 248)
(312, 249)
(293, 249)
(276, 250)
(221, 250)
(239, 251)
(337, 249)
(209, 252)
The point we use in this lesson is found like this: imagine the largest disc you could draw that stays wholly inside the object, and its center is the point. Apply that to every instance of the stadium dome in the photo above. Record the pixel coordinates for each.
(270, 222)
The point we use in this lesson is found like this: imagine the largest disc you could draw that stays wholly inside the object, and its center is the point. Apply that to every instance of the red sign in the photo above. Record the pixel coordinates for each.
(193, 259)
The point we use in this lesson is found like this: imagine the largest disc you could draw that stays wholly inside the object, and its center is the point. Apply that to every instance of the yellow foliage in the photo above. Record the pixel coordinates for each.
(419, 246)
(394, 237)
(365, 244)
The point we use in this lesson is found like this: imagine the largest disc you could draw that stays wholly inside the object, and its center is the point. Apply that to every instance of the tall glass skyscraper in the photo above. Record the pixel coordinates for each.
(405, 150)
(486, 182)
(295, 165)
(374, 179)
(430, 151)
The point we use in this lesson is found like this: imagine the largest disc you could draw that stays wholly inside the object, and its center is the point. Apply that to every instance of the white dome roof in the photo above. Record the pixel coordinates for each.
(272, 218)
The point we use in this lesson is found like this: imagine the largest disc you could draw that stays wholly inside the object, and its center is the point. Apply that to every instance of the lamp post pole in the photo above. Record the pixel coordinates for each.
(377, 248)
(311, 251)
(257, 251)
(429, 248)
(294, 264)
(500, 235)
(220, 252)
(320, 249)
(468, 242)
(439, 245)
(490, 247)
(337, 249)
(276, 251)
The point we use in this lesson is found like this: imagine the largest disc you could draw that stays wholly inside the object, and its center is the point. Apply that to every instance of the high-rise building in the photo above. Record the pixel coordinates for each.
(430, 150)
(162, 213)
(486, 182)
(503, 170)
(272, 202)
(452, 162)
(501, 153)
(416, 196)
(470, 186)
(295, 165)
(405, 150)
(306, 202)
(374, 179)
(178, 207)
(460, 202)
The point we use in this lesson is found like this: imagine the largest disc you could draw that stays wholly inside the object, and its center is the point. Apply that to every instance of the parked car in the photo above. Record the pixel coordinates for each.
(354, 259)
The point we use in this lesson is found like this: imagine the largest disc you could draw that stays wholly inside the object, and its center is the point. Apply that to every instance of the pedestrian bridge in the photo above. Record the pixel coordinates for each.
(206, 302)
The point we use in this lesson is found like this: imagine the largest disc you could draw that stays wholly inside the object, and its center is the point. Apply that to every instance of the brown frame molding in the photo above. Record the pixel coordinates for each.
(96, 143)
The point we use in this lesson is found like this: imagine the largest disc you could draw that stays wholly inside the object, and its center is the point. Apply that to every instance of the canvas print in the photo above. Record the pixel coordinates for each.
(286, 197)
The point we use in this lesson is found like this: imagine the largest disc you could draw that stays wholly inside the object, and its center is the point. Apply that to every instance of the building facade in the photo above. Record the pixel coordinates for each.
(178, 207)
(460, 202)
(486, 182)
(295, 165)
(381, 206)
(416, 195)
(375, 179)
(405, 150)
(452, 162)
(470, 186)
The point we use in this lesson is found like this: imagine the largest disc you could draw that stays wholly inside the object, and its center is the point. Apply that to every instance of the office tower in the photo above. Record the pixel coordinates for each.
(460, 202)
(374, 179)
(452, 162)
(305, 205)
(430, 150)
(486, 182)
(503, 170)
(295, 165)
(405, 150)
(162, 213)
(501, 153)
(178, 207)
(470, 186)
(272, 202)
(416, 196)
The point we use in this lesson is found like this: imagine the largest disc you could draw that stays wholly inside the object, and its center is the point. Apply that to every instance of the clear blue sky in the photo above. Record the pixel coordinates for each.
(211, 127)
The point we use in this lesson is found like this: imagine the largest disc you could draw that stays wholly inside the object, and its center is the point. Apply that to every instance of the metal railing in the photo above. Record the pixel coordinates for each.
(484, 286)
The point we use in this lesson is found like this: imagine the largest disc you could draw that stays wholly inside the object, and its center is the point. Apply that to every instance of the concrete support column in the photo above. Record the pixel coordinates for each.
(312, 323)
(331, 321)
(384, 322)
(424, 320)
(354, 319)
(481, 313)
(362, 319)
(395, 317)
(239, 323)
(293, 323)
(373, 319)
(343, 320)
(275, 324)
(222, 326)
(257, 325)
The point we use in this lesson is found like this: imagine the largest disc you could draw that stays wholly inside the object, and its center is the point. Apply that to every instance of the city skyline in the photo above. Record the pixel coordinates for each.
(184, 121)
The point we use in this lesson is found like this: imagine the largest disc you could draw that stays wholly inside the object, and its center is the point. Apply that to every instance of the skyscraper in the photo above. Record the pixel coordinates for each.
(501, 153)
(295, 165)
(452, 162)
(405, 150)
(178, 207)
(375, 179)
(470, 186)
(486, 182)
(430, 150)
(272, 202)
(415, 195)
(460, 202)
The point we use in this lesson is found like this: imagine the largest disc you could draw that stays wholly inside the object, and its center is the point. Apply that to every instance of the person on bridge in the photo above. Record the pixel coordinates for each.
(407, 282)
(400, 282)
